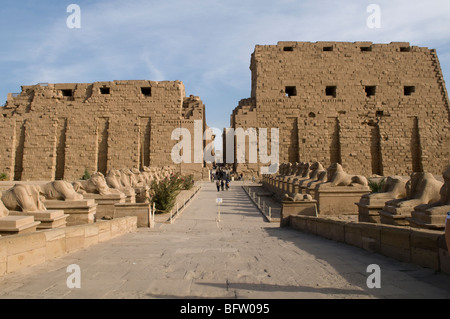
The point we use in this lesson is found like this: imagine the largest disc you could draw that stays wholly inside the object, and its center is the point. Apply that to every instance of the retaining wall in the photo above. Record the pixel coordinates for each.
(21, 251)
(426, 248)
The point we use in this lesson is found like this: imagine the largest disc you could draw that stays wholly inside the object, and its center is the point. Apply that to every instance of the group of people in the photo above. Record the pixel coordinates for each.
(222, 184)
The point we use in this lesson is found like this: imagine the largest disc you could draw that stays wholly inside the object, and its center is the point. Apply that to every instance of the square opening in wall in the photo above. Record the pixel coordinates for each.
(405, 49)
(147, 91)
(104, 90)
(366, 49)
(330, 91)
(409, 90)
(67, 92)
(288, 49)
(327, 49)
(291, 91)
(370, 90)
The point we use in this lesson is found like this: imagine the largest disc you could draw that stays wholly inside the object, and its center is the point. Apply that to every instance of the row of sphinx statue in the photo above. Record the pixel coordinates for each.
(29, 197)
(419, 200)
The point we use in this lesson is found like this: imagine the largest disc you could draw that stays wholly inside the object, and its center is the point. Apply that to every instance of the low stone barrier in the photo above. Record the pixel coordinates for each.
(426, 248)
(142, 211)
(21, 251)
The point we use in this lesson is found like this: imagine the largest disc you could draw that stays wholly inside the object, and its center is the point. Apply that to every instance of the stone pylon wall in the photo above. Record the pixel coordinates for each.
(56, 131)
(375, 108)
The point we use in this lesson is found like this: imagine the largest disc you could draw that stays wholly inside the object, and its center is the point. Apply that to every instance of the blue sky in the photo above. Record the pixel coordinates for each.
(206, 44)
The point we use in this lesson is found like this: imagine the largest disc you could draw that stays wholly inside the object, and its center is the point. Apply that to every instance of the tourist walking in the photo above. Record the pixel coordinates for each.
(218, 185)
(222, 184)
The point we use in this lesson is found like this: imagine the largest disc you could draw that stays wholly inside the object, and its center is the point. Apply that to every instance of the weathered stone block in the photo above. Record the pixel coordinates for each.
(80, 211)
(395, 243)
(353, 235)
(106, 203)
(25, 259)
(297, 222)
(141, 210)
(21, 243)
(371, 237)
(290, 208)
(104, 231)
(339, 200)
(3, 255)
(55, 248)
(48, 219)
(75, 237)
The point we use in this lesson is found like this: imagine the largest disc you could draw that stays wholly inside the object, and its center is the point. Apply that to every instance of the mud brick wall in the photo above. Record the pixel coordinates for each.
(243, 116)
(8, 138)
(56, 131)
(375, 108)
(39, 147)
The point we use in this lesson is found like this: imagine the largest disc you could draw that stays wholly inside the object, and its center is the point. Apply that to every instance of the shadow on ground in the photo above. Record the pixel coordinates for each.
(396, 277)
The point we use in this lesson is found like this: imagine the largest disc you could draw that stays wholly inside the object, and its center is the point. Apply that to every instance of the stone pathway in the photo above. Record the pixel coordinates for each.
(242, 256)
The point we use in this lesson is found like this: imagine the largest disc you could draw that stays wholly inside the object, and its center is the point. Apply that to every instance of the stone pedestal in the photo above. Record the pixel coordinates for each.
(141, 210)
(14, 225)
(369, 209)
(142, 195)
(130, 198)
(278, 182)
(296, 185)
(79, 211)
(431, 218)
(339, 200)
(49, 219)
(290, 184)
(130, 194)
(310, 187)
(290, 208)
(106, 203)
(393, 215)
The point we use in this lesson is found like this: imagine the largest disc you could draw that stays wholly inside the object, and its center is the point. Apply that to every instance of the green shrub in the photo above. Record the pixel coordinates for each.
(187, 182)
(376, 187)
(86, 175)
(165, 193)
(3, 177)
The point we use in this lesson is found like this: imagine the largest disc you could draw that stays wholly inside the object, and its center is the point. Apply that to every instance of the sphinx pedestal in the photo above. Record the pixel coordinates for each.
(338, 200)
(49, 219)
(369, 209)
(142, 195)
(397, 216)
(106, 203)
(141, 210)
(310, 190)
(298, 184)
(290, 208)
(431, 218)
(14, 225)
(79, 211)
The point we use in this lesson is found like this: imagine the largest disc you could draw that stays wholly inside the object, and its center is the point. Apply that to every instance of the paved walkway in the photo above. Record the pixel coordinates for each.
(242, 256)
